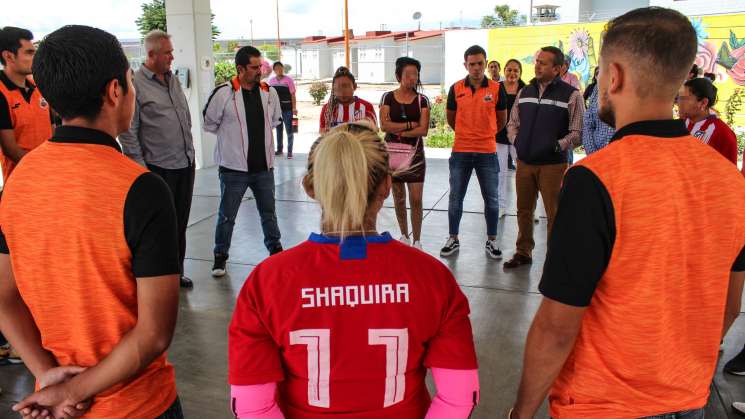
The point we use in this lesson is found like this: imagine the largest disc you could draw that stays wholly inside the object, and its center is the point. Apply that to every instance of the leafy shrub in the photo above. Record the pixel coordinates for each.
(318, 91)
(224, 71)
(440, 135)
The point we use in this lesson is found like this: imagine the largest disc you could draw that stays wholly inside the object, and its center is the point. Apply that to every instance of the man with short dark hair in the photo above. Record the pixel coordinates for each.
(635, 301)
(242, 113)
(476, 111)
(25, 120)
(160, 135)
(285, 87)
(545, 125)
(89, 286)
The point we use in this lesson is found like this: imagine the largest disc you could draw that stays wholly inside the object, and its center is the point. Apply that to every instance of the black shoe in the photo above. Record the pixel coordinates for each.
(218, 269)
(279, 153)
(451, 246)
(736, 365)
(186, 282)
(276, 249)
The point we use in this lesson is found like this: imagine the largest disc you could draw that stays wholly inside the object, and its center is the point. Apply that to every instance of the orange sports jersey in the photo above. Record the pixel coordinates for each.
(349, 331)
(649, 340)
(476, 116)
(30, 120)
(72, 265)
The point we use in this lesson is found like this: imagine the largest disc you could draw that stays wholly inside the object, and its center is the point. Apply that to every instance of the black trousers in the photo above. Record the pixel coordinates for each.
(181, 184)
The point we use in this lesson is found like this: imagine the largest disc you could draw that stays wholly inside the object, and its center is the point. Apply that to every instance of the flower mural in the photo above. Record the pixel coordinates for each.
(582, 54)
(732, 57)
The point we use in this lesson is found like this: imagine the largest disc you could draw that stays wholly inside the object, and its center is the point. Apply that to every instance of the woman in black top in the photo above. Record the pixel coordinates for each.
(511, 85)
(404, 116)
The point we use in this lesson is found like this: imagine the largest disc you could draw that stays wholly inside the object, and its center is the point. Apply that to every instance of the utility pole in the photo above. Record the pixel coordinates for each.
(279, 42)
(346, 33)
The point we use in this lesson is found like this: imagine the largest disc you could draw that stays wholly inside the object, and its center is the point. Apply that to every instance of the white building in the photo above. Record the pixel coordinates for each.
(376, 55)
(571, 11)
(315, 58)
(428, 47)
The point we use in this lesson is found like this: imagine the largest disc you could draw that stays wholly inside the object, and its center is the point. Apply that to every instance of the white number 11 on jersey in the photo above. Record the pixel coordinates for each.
(318, 343)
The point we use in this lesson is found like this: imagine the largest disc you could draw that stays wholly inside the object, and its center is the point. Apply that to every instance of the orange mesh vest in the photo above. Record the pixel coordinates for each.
(62, 214)
(476, 118)
(649, 339)
(31, 122)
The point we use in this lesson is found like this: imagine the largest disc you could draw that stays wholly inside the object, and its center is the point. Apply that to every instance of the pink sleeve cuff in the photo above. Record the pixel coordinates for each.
(255, 402)
(457, 393)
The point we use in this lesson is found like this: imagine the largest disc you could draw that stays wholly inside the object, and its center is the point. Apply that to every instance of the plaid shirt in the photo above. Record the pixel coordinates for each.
(595, 133)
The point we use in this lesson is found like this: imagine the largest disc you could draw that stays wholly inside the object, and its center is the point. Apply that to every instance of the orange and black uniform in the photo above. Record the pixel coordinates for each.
(647, 246)
(26, 113)
(476, 117)
(75, 258)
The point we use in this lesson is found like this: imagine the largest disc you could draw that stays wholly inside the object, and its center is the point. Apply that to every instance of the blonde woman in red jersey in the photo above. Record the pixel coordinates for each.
(346, 324)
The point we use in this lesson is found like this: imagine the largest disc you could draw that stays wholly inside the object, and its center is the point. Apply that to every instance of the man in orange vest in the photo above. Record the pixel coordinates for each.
(25, 120)
(646, 262)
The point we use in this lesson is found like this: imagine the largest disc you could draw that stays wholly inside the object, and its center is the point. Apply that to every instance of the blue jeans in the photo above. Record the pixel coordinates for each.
(173, 412)
(233, 186)
(287, 122)
(688, 414)
(487, 171)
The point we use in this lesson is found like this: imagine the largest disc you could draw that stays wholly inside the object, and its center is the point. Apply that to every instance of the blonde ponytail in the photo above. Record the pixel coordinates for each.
(345, 168)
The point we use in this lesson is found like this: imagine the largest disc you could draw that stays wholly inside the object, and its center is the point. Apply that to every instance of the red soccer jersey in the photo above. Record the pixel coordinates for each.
(355, 111)
(349, 330)
(715, 132)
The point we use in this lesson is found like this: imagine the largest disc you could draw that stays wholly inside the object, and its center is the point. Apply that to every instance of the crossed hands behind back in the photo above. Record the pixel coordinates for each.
(55, 398)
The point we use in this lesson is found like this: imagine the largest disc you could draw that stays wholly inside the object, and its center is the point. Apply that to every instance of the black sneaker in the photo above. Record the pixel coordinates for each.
(736, 365)
(218, 269)
(451, 246)
(276, 249)
(278, 153)
(492, 249)
(186, 282)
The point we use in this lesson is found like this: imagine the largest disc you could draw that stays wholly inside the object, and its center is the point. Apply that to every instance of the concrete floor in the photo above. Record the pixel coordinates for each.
(502, 302)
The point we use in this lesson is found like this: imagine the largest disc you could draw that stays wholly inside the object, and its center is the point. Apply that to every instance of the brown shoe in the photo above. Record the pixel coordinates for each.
(518, 260)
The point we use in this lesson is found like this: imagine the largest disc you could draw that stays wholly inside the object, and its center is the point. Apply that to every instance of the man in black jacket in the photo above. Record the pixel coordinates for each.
(545, 125)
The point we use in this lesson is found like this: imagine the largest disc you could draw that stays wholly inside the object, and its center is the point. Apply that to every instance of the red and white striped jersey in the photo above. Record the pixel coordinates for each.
(715, 132)
(355, 111)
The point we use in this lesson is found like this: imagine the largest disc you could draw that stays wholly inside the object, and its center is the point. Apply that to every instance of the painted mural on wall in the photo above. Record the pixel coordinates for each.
(721, 48)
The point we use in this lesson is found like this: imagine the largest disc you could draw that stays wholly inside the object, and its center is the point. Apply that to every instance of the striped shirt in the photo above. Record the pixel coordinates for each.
(355, 111)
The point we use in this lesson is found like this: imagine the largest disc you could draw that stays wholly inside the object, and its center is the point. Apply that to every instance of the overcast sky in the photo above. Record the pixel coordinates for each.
(298, 18)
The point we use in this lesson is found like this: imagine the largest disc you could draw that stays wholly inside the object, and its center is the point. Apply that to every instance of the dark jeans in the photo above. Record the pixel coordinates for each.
(233, 186)
(487, 171)
(181, 184)
(287, 122)
(688, 414)
(173, 412)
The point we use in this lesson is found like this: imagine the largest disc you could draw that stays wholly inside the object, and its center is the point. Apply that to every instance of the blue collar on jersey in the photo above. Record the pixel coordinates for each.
(353, 247)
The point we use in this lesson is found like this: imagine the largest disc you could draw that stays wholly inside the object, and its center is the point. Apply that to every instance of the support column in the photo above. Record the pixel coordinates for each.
(189, 24)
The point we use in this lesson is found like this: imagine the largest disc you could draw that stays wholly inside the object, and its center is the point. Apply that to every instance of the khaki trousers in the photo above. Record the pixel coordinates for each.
(531, 179)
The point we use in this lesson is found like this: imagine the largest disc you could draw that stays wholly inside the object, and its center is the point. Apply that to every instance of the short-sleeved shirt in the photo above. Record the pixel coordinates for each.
(349, 329)
(647, 284)
(715, 132)
(285, 88)
(27, 113)
(476, 118)
(357, 110)
(76, 257)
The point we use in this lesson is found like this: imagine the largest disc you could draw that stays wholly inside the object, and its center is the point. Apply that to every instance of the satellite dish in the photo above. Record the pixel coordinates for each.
(417, 16)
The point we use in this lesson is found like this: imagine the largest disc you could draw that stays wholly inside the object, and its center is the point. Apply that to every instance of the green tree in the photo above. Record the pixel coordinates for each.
(216, 47)
(233, 46)
(224, 71)
(503, 16)
(154, 17)
(270, 52)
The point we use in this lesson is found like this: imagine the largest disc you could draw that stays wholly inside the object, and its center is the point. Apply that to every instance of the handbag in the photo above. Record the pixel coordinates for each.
(400, 155)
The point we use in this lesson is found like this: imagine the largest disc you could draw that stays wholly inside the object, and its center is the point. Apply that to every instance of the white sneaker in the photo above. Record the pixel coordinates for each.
(405, 240)
(535, 218)
(739, 407)
(418, 245)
